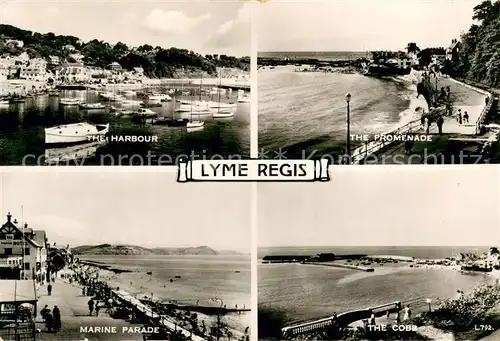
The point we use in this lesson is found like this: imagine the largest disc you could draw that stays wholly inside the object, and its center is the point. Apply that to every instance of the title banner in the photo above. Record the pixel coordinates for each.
(253, 170)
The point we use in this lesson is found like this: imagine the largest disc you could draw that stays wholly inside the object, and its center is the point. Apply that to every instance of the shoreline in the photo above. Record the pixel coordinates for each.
(236, 323)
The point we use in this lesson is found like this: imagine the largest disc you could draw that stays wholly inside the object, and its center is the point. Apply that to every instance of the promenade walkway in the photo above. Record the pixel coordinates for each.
(465, 98)
(74, 314)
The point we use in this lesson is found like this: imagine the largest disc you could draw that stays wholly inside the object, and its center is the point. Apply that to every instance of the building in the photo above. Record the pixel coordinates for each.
(14, 43)
(36, 70)
(453, 50)
(23, 251)
(115, 66)
(73, 73)
(54, 60)
(69, 48)
(78, 57)
(8, 66)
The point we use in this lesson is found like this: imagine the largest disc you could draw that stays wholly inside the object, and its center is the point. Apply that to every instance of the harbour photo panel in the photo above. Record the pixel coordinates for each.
(379, 82)
(145, 85)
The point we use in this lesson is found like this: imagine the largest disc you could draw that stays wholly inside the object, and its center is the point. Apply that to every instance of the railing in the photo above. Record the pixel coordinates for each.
(371, 147)
(344, 319)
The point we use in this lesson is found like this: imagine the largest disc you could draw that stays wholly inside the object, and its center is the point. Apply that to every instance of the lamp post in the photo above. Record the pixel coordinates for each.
(348, 141)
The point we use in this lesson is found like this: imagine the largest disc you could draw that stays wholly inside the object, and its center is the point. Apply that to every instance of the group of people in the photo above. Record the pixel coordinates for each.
(52, 318)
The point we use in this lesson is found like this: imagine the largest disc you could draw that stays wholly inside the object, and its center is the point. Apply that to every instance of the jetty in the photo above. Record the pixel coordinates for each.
(321, 257)
(103, 266)
(342, 265)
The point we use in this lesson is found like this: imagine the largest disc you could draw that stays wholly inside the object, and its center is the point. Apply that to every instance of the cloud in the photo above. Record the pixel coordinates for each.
(173, 21)
(233, 33)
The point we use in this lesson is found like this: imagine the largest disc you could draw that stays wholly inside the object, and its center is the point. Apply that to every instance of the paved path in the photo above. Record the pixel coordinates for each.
(74, 314)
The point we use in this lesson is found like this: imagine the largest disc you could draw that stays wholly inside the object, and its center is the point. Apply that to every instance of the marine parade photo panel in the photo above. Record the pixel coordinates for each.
(380, 254)
(143, 86)
(359, 84)
(137, 257)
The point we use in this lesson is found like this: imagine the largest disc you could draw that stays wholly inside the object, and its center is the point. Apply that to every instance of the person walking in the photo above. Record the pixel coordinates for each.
(97, 308)
(91, 306)
(439, 123)
(466, 117)
(459, 117)
(49, 320)
(56, 314)
(407, 313)
(49, 289)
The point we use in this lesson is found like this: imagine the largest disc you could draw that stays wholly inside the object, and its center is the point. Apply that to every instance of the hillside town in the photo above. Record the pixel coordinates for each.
(40, 62)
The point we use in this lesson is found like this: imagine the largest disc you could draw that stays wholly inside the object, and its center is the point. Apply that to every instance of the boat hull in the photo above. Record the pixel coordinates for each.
(74, 134)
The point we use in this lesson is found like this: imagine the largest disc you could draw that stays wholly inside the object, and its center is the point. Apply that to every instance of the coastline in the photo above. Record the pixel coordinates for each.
(236, 323)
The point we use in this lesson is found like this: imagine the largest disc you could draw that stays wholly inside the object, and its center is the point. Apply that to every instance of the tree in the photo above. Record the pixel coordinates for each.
(412, 48)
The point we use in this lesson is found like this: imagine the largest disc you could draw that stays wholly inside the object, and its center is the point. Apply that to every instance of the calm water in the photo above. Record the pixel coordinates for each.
(202, 277)
(305, 112)
(307, 292)
(22, 133)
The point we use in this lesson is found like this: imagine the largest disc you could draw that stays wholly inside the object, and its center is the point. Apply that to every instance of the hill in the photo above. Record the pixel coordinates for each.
(108, 249)
(156, 61)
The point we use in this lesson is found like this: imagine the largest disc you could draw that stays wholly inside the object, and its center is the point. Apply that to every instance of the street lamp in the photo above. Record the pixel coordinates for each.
(348, 141)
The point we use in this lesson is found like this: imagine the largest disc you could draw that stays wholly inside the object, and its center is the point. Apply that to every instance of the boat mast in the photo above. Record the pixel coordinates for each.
(218, 97)
(201, 81)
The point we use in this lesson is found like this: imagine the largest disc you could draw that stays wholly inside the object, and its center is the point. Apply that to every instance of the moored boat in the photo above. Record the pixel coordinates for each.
(146, 112)
(4, 101)
(159, 97)
(74, 133)
(94, 106)
(223, 114)
(70, 101)
(195, 124)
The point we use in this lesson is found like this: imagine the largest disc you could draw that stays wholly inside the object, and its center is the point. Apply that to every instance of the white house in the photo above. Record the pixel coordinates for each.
(78, 57)
(16, 43)
(36, 70)
(23, 252)
(73, 73)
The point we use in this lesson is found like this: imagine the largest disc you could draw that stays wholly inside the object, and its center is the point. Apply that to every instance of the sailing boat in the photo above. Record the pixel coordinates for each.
(219, 114)
(194, 124)
(89, 106)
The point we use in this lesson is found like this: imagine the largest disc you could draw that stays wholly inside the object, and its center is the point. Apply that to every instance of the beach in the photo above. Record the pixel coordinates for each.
(71, 295)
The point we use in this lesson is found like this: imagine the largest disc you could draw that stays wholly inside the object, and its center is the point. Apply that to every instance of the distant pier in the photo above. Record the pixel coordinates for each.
(345, 266)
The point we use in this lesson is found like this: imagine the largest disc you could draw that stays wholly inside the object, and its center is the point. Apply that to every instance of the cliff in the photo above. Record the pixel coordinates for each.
(108, 249)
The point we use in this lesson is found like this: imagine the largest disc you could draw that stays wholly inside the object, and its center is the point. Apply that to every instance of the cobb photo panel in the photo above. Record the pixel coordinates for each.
(123, 83)
(380, 254)
(135, 256)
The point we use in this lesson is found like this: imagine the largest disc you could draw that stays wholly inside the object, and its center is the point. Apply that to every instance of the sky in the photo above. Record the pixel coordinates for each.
(149, 209)
(360, 25)
(384, 206)
(206, 27)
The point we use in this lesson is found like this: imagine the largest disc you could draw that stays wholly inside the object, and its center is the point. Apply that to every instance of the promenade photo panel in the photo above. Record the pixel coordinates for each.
(379, 82)
(123, 83)
(123, 255)
(380, 254)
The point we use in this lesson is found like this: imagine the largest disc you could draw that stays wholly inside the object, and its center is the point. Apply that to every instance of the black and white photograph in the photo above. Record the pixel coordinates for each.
(123, 82)
(381, 254)
(379, 81)
(123, 256)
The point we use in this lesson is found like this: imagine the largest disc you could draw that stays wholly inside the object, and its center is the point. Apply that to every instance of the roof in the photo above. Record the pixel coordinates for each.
(453, 45)
(39, 237)
(12, 290)
(11, 224)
